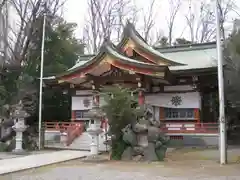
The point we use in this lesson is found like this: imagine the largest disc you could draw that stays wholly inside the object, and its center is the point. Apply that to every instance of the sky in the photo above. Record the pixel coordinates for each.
(76, 10)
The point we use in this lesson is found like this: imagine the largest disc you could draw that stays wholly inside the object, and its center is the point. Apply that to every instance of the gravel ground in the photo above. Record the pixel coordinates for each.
(180, 165)
(76, 170)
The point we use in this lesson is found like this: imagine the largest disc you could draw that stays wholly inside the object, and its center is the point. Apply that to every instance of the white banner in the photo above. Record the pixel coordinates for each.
(81, 102)
(84, 102)
(175, 100)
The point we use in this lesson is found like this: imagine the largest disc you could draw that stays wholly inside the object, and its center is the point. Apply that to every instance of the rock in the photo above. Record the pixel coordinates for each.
(95, 159)
(158, 144)
(127, 154)
(153, 134)
(129, 137)
(138, 150)
(140, 128)
(149, 153)
(138, 158)
(154, 122)
(161, 153)
(142, 140)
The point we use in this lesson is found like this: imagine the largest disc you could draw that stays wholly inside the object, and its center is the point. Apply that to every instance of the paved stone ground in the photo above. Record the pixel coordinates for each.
(9, 155)
(38, 160)
(178, 166)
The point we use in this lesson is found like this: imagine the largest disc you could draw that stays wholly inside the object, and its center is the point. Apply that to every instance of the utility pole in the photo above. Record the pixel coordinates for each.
(41, 83)
(222, 120)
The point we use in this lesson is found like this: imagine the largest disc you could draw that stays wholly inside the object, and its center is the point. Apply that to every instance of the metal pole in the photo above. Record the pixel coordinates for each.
(222, 132)
(41, 83)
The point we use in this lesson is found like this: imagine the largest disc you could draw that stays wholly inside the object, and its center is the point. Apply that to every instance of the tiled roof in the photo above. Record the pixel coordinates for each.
(195, 56)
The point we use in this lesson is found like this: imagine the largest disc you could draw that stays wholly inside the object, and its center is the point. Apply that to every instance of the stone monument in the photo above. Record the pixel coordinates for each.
(144, 139)
(19, 127)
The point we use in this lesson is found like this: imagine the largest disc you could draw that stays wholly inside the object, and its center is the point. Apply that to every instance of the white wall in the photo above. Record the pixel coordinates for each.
(188, 100)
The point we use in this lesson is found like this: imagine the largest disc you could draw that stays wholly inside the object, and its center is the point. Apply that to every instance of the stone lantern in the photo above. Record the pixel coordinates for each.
(95, 115)
(19, 127)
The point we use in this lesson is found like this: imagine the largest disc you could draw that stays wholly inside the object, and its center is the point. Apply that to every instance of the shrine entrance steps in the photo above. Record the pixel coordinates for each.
(82, 142)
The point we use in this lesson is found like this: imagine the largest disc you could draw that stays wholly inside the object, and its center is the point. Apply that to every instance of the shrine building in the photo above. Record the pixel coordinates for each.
(179, 83)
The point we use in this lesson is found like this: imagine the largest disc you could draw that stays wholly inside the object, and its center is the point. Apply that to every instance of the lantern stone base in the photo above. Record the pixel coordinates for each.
(19, 152)
(94, 146)
(93, 149)
(63, 138)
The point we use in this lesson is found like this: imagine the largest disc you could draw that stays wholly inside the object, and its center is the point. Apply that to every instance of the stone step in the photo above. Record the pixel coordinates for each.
(80, 143)
(84, 140)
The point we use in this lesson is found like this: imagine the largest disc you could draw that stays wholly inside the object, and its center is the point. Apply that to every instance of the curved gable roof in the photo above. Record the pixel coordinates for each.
(109, 49)
(131, 33)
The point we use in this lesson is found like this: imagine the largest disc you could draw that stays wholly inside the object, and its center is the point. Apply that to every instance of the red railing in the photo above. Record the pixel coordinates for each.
(60, 126)
(188, 128)
(171, 127)
(73, 132)
(72, 129)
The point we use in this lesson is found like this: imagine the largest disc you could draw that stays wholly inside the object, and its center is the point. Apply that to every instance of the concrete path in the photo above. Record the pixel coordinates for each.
(9, 155)
(37, 160)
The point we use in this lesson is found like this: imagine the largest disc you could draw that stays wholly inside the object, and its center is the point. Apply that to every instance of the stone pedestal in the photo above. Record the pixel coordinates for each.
(63, 138)
(94, 130)
(19, 128)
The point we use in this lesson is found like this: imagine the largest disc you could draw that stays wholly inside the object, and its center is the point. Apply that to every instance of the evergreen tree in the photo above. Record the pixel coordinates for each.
(62, 50)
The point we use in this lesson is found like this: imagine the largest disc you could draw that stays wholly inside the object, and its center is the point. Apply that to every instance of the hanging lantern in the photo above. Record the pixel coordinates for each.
(139, 84)
(65, 91)
(132, 93)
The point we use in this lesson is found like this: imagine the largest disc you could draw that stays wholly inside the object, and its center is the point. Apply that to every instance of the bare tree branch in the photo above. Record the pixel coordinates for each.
(201, 22)
(149, 21)
(105, 20)
(174, 6)
(22, 33)
(2, 4)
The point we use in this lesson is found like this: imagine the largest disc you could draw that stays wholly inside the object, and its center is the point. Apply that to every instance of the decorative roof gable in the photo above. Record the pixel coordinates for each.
(133, 40)
(109, 56)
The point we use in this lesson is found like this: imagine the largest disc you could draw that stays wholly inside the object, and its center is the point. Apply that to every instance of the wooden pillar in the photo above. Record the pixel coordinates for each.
(141, 98)
(161, 113)
(197, 115)
(73, 116)
(73, 113)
